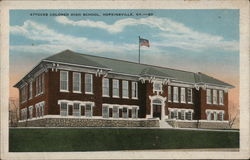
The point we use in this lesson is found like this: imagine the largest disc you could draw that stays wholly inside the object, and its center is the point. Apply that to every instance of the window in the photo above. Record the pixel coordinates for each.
(221, 99)
(64, 109)
(105, 87)
(31, 112)
(134, 90)
(169, 94)
(36, 81)
(24, 114)
(183, 95)
(157, 87)
(134, 112)
(124, 89)
(88, 110)
(179, 114)
(215, 116)
(182, 115)
(39, 84)
(115, 88)
(215, 97)
(76, 82)
(63, 81)
(105, 111)
(208, 115)
(124, 112)
(89, 83)
(30, 90)
(189, 95)
(188, 115)
(23, 94)
(39, 109)
(209, 100)
(43, 86)
(176, 94)
(221, 116)
(171, 114)
(115, 112)
(76, 109)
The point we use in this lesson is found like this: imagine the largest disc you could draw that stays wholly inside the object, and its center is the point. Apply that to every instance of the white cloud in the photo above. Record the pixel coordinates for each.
(56, 41)
(173, 33)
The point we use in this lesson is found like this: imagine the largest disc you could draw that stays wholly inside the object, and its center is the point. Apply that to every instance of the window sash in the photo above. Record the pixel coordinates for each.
(115, 112)
(221, 99)
(105, 87)
(134, 90)
(176, 94)
(64, 80)
(88, 83)
(124, 112)
(183, 95)
(115, 88)
(215, 97)
(76, 82)
(88, 110)
(64, 109)
(76, 109)
(157, 86)
(30, 90)
(125, 89)
(209, 100)
(189, 95)
(105, 111)
(169, 94)
(134, 112)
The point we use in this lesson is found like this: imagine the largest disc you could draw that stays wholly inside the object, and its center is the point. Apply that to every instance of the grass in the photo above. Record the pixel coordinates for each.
(106, 139)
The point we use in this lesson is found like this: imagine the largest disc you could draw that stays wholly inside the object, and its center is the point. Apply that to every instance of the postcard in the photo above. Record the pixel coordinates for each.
(125, 80)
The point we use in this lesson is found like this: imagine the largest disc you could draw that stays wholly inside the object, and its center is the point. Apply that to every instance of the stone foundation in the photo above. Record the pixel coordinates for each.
(200, 124)
(79, 122)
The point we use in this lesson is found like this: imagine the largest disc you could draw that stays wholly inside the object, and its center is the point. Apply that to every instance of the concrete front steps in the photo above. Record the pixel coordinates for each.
(164, 124)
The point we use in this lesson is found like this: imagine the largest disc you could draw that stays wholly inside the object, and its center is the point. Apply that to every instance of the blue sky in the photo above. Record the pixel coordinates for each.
(194, 40)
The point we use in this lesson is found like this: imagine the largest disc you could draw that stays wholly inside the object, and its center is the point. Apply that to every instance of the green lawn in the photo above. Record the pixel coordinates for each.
(94, 139)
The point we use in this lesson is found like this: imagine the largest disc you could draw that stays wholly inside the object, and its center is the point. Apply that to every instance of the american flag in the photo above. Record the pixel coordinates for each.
(144, 42)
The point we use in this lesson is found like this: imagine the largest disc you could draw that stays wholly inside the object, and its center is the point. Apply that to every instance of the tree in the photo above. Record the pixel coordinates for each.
(233, 117)
(13, 112)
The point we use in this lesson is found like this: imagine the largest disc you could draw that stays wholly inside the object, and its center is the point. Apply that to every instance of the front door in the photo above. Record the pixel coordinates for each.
(156, 111)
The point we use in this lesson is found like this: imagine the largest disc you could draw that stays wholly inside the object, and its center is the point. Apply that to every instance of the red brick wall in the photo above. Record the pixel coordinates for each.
(205, 106)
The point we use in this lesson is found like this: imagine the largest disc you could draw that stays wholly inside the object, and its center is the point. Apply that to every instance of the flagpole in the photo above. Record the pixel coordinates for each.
(139, 51)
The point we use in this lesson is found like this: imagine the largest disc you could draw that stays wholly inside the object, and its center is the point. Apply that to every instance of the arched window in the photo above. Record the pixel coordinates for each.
(157, 101)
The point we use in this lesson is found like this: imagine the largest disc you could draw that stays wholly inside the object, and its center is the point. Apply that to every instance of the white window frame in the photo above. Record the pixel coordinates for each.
(134, 90)
(123, 114)
(30, 90)
(221, 97)
(155, 84)
(105, 87)
(117, 87)
(91, 110)
(115, 114)
(183, 95)
(169, 94)
(91, 83)
(190, 101)
(209, 96)
(134, 112)
(75, 74)
(125, 90)
(67, 110)
(209, 116)
(74, 111)
(215, 96)
(30, 112)
(67, 81)
(105, 115)
(176, 95)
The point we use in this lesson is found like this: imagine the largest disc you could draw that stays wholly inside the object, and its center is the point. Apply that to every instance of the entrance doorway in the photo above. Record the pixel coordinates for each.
(157, 108)
(156, 111)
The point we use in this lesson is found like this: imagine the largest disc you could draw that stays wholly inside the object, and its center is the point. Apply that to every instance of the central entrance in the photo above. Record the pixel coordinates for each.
(157, 108)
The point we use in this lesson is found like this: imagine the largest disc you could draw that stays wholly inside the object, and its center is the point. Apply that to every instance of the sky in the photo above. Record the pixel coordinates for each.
(193, 40)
